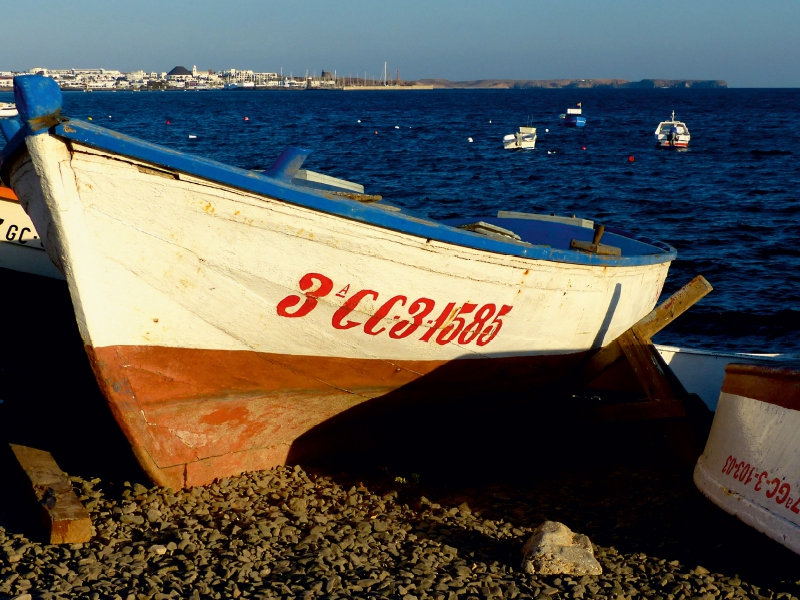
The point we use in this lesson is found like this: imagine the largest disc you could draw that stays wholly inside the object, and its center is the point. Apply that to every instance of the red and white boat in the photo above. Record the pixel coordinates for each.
(751, 464)
(228, 313)
(672, 134)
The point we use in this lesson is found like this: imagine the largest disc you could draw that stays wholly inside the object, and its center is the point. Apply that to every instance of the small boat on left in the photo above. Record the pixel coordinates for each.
(20, 246)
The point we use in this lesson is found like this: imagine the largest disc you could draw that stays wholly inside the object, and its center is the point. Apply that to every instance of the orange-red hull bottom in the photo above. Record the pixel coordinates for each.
(192, 416)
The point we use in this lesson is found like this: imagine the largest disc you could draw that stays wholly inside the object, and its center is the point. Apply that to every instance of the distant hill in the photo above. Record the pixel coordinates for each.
(520, 84)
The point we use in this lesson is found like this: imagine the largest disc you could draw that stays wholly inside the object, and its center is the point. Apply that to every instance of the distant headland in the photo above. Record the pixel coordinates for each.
(522, 84)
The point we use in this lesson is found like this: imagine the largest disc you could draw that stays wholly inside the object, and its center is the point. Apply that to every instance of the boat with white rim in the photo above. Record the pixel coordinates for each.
(672, 134)
(751, 464)
(228, 313)
(524, 139)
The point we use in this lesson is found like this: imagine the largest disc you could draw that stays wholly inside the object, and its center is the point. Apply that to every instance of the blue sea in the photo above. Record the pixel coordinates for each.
(730, 204)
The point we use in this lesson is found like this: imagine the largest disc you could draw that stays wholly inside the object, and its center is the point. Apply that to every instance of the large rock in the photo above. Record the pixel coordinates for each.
(554, 549)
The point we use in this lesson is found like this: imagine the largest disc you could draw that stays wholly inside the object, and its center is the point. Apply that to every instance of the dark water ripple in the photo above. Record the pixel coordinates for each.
(729, 204)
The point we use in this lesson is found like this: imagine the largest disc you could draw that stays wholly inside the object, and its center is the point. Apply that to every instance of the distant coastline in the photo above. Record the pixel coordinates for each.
(522, 84)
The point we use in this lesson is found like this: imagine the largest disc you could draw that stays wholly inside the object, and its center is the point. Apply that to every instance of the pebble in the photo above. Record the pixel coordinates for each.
(288, 533)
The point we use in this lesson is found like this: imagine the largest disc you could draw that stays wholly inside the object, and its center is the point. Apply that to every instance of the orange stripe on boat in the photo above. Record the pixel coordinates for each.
(778, 386)
(8, 194)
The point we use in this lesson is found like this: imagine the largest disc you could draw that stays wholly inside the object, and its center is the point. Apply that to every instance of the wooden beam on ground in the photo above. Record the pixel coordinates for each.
(648, 326)
(65, 518)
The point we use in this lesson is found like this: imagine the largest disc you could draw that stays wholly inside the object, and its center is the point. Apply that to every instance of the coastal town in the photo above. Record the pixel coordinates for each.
(180, 78)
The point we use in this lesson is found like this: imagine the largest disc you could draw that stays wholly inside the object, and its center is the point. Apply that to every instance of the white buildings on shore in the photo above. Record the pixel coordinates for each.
(179, 78)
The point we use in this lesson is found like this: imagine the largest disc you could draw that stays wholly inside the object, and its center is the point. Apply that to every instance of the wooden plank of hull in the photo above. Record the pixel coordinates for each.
(157, 261)
(751, 464)
(193, 415)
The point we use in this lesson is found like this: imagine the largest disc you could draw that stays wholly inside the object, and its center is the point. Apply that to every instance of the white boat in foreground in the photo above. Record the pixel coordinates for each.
(751, 464)
(524, 139)
(672, 134)
(227, 314)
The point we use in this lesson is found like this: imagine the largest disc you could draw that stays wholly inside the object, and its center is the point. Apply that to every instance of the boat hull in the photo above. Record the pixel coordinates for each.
(225, 328)
(573, 121)
(665, 143)
(751, 464)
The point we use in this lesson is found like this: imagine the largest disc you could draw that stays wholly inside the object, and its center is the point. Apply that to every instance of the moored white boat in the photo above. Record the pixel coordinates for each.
(672, 134)
(227, 313)
(751, 464)
(524, 139)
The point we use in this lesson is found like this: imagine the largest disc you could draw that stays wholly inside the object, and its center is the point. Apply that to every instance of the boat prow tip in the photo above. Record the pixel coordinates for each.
(37, 98)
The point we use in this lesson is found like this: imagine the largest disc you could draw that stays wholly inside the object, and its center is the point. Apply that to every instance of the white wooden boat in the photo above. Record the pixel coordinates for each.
(524, 139)
(672, 134)
(751, 464)
(228, 313)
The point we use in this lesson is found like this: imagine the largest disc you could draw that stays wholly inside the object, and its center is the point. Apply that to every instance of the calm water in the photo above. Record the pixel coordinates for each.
(730, 204)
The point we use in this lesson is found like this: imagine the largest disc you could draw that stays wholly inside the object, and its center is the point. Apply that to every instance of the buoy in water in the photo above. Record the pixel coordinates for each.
(490, 120)
(583, 147)
(167, 120)
(469, 140)
(109, 116)
(397, 126)
(359, 120)
(376, 133)
(630, 158)
(247, 118)
(547, 131)
(90, 118)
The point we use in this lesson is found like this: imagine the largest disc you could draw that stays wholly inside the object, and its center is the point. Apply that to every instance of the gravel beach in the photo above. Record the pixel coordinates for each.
(292, 533)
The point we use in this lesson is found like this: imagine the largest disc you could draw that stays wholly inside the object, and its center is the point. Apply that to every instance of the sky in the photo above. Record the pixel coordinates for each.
(746, 43)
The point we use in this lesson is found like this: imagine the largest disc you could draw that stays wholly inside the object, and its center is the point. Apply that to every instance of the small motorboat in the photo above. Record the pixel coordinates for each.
(573, 117)
(672, 134)
(233, 318)
(524, 139)
(751, 464)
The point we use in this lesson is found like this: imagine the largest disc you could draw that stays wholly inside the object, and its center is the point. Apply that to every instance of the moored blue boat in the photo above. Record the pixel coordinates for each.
(573, 117)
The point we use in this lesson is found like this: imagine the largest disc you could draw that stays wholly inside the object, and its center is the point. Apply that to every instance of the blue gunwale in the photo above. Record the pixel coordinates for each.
(113, 142)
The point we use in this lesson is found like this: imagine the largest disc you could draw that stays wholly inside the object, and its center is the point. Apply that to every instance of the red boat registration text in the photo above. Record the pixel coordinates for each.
(464, 324)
